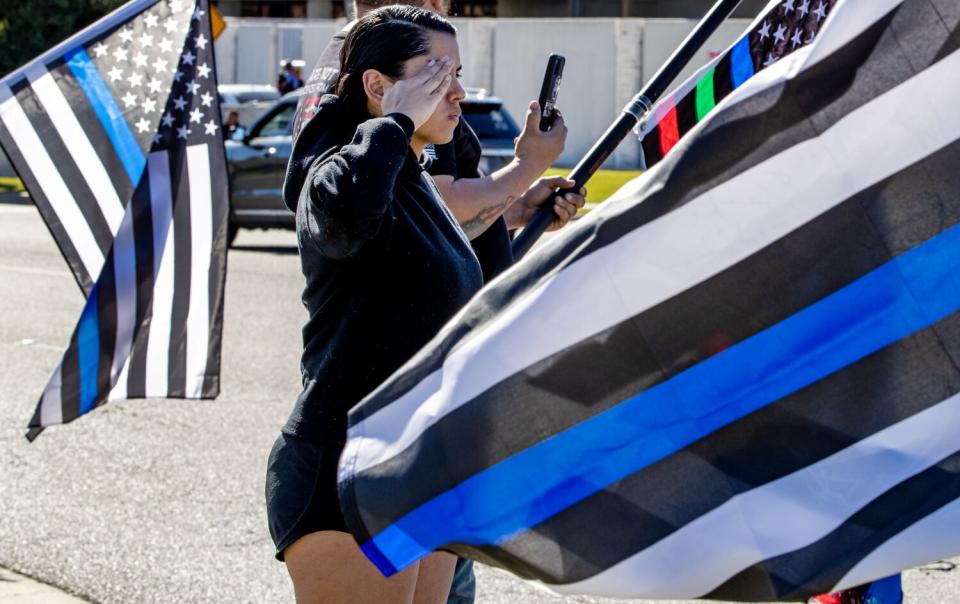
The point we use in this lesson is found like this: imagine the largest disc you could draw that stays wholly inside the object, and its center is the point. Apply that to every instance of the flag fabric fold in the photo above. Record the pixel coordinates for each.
(735, 380)
(116, 135)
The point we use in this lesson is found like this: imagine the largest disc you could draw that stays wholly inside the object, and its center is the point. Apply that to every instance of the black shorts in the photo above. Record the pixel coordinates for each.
(301, 491)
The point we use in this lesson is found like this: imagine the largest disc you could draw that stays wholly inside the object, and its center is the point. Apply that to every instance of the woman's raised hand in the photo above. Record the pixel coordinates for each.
(418, 97)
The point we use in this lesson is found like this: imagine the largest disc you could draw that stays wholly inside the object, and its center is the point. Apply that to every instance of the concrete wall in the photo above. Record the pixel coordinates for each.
(607, 62)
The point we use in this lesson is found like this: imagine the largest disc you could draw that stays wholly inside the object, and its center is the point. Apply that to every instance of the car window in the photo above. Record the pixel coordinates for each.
(490, 121)
(280, 124)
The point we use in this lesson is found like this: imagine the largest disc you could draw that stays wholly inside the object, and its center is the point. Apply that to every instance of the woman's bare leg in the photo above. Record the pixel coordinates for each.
(328, 568)
(435, 578)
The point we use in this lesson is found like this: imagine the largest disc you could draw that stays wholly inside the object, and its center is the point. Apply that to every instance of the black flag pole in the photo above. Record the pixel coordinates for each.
(631, 115)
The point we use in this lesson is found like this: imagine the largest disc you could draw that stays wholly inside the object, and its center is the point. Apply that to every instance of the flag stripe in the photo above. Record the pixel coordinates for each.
(693, 238)
(873, 466)
(51, 183)
(108, 112)
(705, 99)
(793, 433)
(161, 203)
(741, 63)
(201, 231)
(669, 133)
(124, 260)
(182, 263)
(803, 267)
(792, 574)
(88, 353)
(106, 328)
(76, 142)
(143, 228)
(901, 297)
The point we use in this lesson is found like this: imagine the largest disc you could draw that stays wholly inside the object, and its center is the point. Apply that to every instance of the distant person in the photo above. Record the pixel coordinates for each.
(232, 128)
(289, 78)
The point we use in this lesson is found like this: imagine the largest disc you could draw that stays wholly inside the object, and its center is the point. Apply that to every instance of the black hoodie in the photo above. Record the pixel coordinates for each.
(385, 262)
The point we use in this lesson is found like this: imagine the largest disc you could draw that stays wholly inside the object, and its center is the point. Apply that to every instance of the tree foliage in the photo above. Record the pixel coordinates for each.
(30, 27)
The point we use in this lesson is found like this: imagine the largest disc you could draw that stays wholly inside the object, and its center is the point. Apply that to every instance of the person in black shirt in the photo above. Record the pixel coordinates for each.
(486, 206)
(386, 266)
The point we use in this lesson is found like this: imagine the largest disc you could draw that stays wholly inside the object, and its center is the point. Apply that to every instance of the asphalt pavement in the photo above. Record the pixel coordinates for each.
(162, 501)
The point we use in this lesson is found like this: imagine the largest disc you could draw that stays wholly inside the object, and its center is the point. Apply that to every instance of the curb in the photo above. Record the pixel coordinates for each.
(17, 589)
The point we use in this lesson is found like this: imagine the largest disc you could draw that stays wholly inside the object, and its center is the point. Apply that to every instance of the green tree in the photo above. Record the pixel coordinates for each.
(30, 27)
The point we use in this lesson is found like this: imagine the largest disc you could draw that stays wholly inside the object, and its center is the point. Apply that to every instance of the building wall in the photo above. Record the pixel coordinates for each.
(607, 62)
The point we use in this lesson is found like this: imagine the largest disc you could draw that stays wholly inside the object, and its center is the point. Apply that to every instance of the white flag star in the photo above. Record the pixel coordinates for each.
(804, 8)
(115, 74)
(126, 35)
(167, 120)
(771, 59)
(210, 127)
(151, 20)
(198, 13)
(149, 106)
(781, 34)
(183, 132)
(820, 12)
(140, 60)
(120, 54)
(135, 79)
(143, 125)
(764, 32)
(206, 99)
(101, 49)
(203, 70)
(157, 138)
(193, 87)
(155, 86)
(171, 25)
(159, 65)
(797, 38)
(146, 40)
(179, 103)
(196, 115)
(188, 58)
(129, 100)
(165, 45)
(788, 7)
(200, 41)
(176, 6)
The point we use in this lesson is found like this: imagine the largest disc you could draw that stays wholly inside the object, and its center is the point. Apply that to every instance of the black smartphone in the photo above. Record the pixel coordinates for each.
(549, 90)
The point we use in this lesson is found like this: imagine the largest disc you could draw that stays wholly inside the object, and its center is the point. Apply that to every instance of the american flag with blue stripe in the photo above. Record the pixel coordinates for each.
(116, 136)
(738, 379)
(782, 28)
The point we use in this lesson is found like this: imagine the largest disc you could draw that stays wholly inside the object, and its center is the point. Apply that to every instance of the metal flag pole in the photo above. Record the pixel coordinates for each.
(632, 114)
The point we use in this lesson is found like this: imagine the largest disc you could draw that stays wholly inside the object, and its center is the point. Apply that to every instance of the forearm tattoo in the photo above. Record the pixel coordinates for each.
(475, 226)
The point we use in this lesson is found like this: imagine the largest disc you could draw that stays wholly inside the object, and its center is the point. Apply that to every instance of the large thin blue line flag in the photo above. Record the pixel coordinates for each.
(736, 380)
(116, 136)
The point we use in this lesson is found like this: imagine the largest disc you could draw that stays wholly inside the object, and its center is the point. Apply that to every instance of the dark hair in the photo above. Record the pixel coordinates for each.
(384, 40)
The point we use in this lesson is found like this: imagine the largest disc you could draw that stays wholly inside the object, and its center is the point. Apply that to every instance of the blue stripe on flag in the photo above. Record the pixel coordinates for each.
(741, 63)
(109, 113)
(88, 353)
(905, 295)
